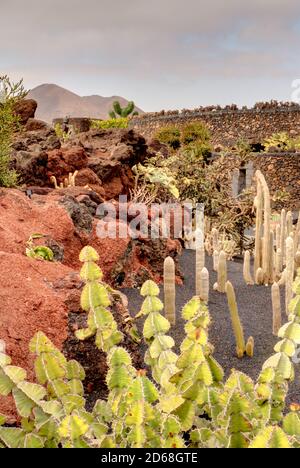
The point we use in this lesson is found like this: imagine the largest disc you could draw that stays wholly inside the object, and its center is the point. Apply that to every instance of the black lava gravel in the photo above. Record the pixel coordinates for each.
(255, 310)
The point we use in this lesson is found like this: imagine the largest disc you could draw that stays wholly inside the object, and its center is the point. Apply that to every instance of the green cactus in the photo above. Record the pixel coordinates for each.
(235, 319)
(95, 300)
(122, 112)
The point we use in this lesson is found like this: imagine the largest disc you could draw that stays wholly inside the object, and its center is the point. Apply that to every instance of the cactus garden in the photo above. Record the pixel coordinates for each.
(149, 259)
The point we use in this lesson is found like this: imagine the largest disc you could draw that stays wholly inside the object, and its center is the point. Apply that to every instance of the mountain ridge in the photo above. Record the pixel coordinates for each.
(54, 101)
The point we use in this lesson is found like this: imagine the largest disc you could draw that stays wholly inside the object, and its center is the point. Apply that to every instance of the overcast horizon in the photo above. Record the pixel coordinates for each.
(164, 54)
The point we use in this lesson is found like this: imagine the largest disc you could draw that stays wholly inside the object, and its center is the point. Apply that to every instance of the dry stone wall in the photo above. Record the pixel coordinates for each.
(228, 125)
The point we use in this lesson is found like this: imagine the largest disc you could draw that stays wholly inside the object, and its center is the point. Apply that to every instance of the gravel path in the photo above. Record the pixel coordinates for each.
(255, 310)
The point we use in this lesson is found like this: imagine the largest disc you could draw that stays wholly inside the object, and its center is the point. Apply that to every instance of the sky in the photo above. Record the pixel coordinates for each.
(163, 54)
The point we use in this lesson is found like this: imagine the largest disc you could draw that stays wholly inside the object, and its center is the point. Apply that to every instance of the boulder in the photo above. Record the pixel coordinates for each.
(35, 125)
(63, 161)
(25, 110)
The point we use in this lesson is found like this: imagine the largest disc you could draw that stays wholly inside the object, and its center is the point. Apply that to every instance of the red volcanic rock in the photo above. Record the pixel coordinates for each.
(25, 110)
(29, 303)
(34, 125)
(63, 161)
(87, 177)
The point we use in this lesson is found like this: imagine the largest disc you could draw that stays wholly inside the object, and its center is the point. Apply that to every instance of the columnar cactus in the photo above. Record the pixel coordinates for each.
(290, 269)
(215, 260)
(276, 306)
(200, 264)
(271, 258)
(289, 223)
(258, 228)
(215, 239)
(267, 222)
(250, 347)
(235, 319)
(222, 273)
(259, 277)
(170, 290)
(247, 268)
(204, 285)
(282, 234)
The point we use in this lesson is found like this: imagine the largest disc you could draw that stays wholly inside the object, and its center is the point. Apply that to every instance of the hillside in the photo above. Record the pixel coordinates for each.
(55, 101)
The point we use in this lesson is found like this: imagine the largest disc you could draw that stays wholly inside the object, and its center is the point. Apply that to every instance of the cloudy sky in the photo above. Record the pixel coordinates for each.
(160, 53)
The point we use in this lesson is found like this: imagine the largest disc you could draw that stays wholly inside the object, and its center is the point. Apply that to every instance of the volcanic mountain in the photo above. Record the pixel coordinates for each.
(57, 102)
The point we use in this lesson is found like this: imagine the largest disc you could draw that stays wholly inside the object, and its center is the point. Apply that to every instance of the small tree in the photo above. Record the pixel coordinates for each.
(119, 111)
(10, 93)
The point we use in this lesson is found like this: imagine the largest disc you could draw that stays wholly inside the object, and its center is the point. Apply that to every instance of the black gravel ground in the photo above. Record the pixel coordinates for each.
(255, 310)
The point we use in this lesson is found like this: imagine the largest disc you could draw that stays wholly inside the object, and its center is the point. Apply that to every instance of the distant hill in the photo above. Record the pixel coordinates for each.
(56, 102)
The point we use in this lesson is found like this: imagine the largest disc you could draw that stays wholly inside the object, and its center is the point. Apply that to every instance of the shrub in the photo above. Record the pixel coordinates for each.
(185, 404)
(170, 136)
(195, 132)
(110, 123)
(10, 93)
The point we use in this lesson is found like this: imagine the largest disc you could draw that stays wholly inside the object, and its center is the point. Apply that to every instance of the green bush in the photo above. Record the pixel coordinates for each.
(170, 136)
(195, 132)
(186, 402)
(122, 122)
(10, 93)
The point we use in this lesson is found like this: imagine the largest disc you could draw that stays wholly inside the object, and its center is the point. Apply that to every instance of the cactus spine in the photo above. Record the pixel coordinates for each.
(276, 306)
(246, 269)
(200, 264)
(169, 290)
(289, 276)
(204, 285)
(235, 319)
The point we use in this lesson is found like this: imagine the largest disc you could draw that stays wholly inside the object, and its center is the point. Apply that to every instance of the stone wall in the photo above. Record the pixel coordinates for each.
(229, 124)
(281, 170)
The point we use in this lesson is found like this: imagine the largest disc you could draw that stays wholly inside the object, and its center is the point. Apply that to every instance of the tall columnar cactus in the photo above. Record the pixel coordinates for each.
(170, 290)
(222, 273)
(271, 258)
(266, 230)
(215, 239)
(200, 264)
(289, 276)
(204, 285)
(258, 203)
(235, 319)
(282, 234)
(247, 268)
(215, 260)
(278, 263)
(276, 306)
(289, 223)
